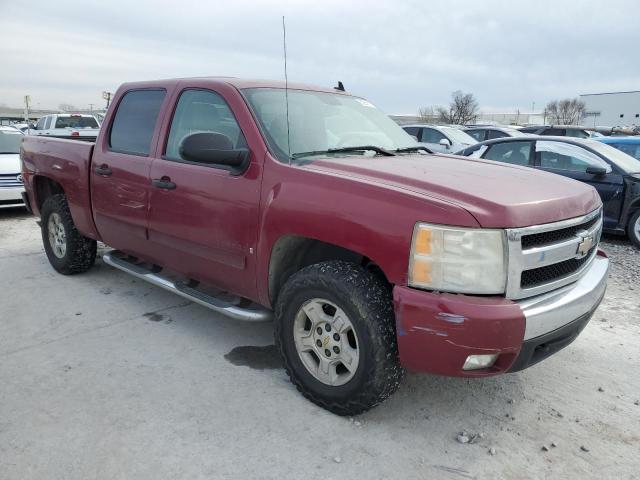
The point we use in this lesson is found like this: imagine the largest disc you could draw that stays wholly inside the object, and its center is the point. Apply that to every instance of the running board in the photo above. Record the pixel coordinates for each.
(253, 313)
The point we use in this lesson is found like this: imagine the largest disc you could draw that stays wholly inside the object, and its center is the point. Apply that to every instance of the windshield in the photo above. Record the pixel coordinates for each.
(320, 121)
(10, 141)
(459, 136)
(621, 159)
(76, 121)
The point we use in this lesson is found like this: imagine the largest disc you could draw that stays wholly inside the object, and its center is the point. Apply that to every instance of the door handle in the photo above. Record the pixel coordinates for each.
(165, 183)
(103, 170)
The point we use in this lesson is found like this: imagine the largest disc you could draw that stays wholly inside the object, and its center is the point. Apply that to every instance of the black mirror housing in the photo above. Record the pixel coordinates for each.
(213, 148)
(593, 170)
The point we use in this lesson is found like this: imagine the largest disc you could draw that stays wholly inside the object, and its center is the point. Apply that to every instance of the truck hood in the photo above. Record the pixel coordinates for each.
(498, 195)
(9, 163)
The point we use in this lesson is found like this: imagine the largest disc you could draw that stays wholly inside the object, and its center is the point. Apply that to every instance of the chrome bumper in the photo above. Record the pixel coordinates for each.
(550, 311)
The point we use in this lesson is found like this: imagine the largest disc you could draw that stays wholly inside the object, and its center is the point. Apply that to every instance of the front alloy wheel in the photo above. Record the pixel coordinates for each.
(326, 342)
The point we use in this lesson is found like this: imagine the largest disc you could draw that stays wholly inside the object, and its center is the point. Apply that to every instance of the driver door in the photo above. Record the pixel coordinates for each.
(431, 138)
(203, 219)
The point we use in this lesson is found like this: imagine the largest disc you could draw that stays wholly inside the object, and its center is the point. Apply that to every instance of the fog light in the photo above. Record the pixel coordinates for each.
(476, 362)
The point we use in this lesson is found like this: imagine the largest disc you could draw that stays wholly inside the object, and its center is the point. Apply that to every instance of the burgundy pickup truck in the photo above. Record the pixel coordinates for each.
(311, 208)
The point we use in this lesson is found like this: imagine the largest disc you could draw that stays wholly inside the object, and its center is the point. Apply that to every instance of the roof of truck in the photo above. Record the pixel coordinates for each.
(239, 83)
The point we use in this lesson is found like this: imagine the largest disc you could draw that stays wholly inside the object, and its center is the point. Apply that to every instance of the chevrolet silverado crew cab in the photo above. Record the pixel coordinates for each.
(311, 208)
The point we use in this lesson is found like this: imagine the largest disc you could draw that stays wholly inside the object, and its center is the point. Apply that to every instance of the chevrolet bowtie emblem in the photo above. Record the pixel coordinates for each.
(585, 246)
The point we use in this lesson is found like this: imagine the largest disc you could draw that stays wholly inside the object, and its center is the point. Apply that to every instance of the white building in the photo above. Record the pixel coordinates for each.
(614, 109)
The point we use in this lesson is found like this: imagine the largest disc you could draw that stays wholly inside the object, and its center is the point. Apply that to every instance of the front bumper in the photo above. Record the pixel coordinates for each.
(11, 197)
(437, 331)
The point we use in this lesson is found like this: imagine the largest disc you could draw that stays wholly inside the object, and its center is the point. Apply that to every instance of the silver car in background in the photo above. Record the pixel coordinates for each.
(11, 186)
(440, 138)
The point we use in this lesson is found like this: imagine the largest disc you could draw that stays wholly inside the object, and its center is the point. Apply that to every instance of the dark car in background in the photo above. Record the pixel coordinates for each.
(559, 131)
(482, 133)
(614, 174)
(628, 145)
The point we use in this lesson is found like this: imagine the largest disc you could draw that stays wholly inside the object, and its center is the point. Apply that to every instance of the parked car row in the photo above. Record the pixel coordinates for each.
(613, 173)
(11, 184)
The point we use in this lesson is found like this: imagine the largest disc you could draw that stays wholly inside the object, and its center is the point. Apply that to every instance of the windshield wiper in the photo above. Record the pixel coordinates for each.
(412, 149)
(360, 148)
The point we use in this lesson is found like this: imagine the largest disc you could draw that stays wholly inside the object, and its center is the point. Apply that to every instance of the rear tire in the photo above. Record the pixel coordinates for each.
(633, 229)
(68, 251)
(347, 313)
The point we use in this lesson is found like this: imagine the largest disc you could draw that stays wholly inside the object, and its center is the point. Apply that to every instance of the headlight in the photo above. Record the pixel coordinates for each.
(460, 260)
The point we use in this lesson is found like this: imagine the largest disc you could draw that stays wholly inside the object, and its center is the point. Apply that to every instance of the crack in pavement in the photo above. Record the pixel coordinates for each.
(88, 330)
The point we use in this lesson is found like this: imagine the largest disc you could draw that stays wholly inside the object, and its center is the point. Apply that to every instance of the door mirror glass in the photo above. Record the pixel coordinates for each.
(213, 148)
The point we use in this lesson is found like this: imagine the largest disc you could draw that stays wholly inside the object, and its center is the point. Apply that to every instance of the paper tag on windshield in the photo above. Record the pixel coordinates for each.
(364, 103)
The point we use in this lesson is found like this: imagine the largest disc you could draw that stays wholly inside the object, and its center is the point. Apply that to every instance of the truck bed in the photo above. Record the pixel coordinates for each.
(69, 163)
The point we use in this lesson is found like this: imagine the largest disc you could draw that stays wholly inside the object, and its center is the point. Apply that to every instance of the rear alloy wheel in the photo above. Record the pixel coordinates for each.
(67, 249)
(633, 230)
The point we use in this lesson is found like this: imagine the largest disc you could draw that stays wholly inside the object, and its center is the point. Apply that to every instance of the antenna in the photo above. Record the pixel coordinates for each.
(286, 85)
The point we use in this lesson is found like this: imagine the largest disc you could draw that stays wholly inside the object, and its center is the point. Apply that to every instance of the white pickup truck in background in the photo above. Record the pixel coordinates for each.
(68, 125)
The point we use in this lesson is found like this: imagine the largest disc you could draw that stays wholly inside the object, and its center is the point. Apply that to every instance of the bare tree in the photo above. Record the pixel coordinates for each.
(428, 114)
(568, 111)
(66, 107)
(463, 109)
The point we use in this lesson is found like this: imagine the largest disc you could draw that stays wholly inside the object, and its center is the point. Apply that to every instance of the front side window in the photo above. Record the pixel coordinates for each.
(135, 120)
(318, 121)
(431, 135)
(516, 153)
(201, 111)
(566, 156)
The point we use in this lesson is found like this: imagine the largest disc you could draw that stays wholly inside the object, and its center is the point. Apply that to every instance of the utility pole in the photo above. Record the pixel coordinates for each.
(107, 96)
(91, 107)
(27, 99)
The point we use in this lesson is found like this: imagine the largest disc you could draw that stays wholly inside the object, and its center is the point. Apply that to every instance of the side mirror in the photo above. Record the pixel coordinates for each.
(597, 171)
(445, 142)
(216, 149)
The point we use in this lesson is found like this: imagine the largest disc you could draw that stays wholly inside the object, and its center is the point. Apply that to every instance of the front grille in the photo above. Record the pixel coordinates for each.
(545, 257)
(10, 181)
(551, 273)
(555, 236)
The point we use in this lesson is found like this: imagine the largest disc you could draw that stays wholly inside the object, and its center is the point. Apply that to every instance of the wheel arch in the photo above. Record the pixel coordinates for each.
(291, 253)
(43, 188)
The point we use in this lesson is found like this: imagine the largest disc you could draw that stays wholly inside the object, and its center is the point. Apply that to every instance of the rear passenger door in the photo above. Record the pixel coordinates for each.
(515, 153)
(121, 162)
(572, 161)
(205, 225)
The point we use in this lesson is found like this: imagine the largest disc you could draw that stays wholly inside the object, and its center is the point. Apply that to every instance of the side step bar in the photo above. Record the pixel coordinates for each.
(253, 313)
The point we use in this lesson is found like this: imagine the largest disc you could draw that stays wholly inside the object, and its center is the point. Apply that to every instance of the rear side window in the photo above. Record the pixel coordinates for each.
(40, 124)
(47, 123)
(413, 131)
(76, 121)
(516, 153)
(476, 134)
(135, 121)
(496, 134)
(202, 111)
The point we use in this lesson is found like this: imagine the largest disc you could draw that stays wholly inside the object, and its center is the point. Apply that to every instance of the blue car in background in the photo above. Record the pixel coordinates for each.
(628, 145)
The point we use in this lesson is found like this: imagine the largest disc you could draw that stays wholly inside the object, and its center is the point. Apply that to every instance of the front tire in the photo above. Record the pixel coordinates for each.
(335, 330)
(633, 229)
(68, 251)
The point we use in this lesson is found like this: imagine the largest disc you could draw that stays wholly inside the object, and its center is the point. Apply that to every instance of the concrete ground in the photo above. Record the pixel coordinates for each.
(103, 376)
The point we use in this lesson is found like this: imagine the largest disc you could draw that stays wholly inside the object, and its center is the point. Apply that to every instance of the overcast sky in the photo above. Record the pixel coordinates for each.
(399, 54)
